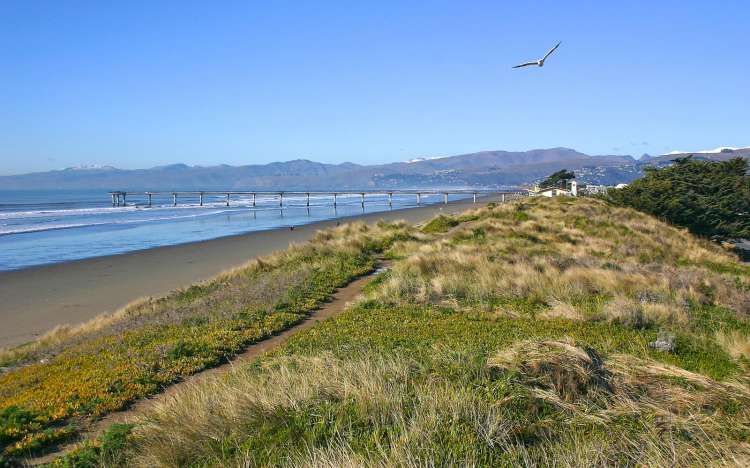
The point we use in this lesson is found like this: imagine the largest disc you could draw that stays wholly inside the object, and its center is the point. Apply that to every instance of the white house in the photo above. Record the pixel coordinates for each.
(554, 192)
(570, 190)
(595, 189)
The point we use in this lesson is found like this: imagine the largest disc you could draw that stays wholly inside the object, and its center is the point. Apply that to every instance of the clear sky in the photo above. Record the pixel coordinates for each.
(140, 84)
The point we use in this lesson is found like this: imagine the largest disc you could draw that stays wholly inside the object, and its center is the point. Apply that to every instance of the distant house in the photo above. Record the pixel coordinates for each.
(621, 186)
(570, 190)
(554, 192)
(590, 189)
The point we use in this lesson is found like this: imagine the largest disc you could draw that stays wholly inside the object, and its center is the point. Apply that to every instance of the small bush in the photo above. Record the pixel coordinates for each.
(521, 216)
(186, 349)
(440, 224)
(572, 372)
(105, 450)
(15, 422)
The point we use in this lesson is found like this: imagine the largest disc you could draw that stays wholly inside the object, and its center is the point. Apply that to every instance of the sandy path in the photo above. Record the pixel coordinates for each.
(337, 304)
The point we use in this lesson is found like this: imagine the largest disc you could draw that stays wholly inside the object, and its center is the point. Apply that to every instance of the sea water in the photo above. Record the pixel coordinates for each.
(42, 227)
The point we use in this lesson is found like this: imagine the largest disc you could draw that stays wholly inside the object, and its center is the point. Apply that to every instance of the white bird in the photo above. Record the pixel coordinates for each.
(540, 62)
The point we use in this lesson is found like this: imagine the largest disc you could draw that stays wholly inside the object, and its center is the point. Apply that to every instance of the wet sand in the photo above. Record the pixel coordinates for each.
(35, 300)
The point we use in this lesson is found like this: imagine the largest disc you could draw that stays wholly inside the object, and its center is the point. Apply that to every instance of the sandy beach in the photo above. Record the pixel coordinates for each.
(35, 300)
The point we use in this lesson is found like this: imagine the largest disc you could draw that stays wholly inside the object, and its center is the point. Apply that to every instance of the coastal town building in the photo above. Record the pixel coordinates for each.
(570, 190)
(590, 189)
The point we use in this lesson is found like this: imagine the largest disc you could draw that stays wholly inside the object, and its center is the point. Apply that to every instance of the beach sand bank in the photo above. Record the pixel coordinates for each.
(35, 300)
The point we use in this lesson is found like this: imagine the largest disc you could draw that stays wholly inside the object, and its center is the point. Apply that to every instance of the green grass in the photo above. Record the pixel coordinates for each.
(437, 405)
(440, 224)
(510, 335)
(107, 449)
(160, 342)
(404, 376)
(416, 330)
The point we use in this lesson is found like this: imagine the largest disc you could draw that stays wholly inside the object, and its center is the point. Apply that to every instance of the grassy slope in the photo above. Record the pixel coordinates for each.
(515, 334)
(72, 374)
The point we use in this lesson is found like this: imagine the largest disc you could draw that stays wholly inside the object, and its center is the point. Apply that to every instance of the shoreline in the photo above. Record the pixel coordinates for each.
(38, 298)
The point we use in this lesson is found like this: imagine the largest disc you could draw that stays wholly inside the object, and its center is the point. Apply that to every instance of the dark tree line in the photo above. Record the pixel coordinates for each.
(709, 198)
(558, 179)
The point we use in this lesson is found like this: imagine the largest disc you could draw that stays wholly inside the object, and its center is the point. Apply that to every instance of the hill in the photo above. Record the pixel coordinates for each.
(539, 332)
(483, 169)
(719, 154)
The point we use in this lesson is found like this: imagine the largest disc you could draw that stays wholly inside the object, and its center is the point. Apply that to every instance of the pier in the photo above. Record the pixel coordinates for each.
(120, 198)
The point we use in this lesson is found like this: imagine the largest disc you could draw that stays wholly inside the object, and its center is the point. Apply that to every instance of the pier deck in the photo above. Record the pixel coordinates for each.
(119, 198)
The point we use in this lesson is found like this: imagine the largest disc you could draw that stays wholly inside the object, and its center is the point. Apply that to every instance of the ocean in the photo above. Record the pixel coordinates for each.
(43, 227)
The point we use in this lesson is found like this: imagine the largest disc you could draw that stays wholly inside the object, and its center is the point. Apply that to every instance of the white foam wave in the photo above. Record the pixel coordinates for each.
(68, 212)
(54, 227)
(140, 206)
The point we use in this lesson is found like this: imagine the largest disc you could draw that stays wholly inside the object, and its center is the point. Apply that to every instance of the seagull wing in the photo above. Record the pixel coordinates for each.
(552, 50)
(526, 64)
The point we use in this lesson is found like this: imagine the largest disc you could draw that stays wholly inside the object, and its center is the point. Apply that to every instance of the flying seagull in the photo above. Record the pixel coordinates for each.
(540, 62)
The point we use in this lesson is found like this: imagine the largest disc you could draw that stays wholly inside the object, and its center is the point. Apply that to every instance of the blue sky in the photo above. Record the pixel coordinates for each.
(140, 84)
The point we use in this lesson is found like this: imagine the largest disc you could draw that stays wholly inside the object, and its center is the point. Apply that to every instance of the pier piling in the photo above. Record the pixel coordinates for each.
(119, 198)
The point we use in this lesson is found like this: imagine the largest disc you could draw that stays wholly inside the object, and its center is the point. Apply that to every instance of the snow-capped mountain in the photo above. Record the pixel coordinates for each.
(721, 149)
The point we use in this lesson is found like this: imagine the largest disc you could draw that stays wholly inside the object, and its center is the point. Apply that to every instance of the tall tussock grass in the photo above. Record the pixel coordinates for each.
(578, 261)
(536, 403)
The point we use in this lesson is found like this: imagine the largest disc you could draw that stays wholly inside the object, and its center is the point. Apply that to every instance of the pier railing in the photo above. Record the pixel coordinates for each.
(119, 198)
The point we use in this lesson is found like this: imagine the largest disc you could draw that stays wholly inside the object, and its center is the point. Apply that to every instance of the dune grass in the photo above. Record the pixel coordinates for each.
(101, 366)
(411, 397)
(511, 335)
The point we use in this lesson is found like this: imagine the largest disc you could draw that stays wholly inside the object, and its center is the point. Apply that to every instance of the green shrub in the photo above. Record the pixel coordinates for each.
(106, 450)
(440, 224)
(709, 198)
(15, 422)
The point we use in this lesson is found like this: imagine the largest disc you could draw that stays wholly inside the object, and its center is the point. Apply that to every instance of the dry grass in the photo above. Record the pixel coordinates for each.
(561, 310)
(693, 413)
(414, 415)
(563, 372)
(399, 381)
(386, 394)
(104, 365)
(183, 429)
(537, 402)
(736, 343)
(578, 261)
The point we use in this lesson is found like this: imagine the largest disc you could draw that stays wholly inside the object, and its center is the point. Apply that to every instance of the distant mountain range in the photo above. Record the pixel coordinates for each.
(718, 154)
(486, 169)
